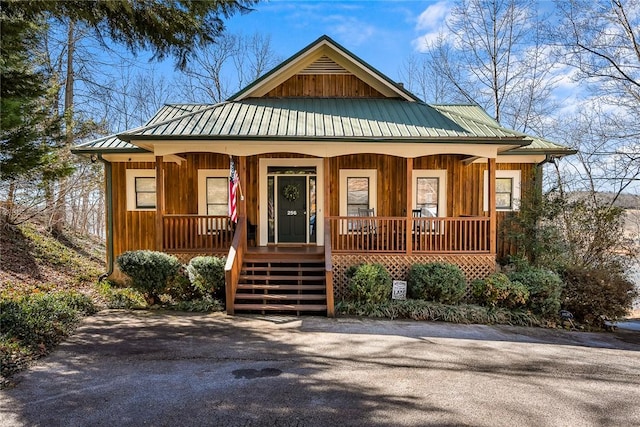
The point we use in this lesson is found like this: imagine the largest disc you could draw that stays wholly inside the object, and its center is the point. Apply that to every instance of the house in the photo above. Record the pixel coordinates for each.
(337, 165)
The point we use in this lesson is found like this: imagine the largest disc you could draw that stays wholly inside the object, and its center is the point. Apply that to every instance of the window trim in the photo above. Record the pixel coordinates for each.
(203, 174)
(516, 176)
(441, 174)
(372, 174)
(130, 178)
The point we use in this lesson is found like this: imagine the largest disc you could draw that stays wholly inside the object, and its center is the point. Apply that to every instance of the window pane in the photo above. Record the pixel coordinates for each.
(217, 190)
(503, 200)
(358, 191)
(146, 185)
(146, 200)
(503, 185)
(352, 210)
(427, 191)
(217, 210)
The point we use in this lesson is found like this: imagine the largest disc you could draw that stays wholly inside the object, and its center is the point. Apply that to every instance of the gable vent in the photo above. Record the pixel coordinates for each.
(324, 65)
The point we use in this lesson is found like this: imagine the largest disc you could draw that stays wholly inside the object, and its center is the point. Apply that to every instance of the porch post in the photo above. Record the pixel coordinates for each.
(409, 235)
(491, 166)
(242, 206)
(159, 202)
(327, 187)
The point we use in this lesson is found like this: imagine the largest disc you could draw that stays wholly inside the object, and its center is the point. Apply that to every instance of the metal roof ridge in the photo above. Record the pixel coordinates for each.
(132, 132)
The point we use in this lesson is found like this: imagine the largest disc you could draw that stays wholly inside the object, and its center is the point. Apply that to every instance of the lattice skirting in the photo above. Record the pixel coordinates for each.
(473, 266)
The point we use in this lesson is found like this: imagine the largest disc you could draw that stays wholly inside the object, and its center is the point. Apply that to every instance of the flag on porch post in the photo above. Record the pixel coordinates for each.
(234, 181)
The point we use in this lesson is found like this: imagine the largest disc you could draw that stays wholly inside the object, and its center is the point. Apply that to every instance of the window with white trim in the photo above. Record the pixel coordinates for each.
(141, 189)
(430, 191)
(213, 192)
(507, 190)
(357, 191)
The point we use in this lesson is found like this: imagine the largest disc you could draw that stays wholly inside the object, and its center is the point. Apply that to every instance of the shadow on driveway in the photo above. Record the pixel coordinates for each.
(167, 368)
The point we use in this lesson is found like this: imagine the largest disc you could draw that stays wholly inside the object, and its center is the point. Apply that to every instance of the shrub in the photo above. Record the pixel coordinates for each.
(427, 310)
(545, 289)
(117, 297)
(498, 291)
(371, 283)
(441, 282)
(594, 295)
(149, 271)
(42, 320)
(206, 274)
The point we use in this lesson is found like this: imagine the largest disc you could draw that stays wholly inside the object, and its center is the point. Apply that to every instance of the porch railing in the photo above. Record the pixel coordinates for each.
(196, 233)
(420, 235)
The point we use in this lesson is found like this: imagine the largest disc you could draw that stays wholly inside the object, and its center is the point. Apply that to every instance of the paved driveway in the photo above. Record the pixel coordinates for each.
(150, 368)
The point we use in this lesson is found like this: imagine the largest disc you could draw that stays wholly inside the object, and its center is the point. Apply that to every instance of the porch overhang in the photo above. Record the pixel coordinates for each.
(326, 147)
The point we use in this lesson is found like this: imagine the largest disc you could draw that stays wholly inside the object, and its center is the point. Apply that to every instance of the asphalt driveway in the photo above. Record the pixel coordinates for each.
(153, 368)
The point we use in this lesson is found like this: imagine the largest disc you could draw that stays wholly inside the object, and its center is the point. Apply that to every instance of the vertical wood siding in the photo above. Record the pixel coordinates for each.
(136, 230)
(325, 86)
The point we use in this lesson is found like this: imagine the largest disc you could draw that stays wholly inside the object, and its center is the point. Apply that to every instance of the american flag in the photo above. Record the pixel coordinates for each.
(234, 181)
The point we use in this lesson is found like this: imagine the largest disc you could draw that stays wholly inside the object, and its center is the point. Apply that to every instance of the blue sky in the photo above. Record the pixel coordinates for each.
(383, 33)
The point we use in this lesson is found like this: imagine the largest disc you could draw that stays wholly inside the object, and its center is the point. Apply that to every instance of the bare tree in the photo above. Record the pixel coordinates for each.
(494, 57)
(227, 66)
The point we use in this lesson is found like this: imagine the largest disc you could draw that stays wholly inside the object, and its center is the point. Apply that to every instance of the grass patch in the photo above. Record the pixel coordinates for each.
(427, 310)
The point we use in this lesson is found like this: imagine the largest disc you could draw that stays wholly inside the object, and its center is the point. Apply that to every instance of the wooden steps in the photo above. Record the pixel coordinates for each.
(283, 281)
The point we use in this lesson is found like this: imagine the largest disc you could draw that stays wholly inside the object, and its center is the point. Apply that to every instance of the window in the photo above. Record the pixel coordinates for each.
(504, 193)
(357, 191)
(145, 192)
(357, 195)
(217, 196)
(430, 191)
(213, 192)
(507, 190)
(141, 189)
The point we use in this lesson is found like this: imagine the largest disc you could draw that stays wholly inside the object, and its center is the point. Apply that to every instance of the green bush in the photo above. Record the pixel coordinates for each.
(371, 283)
(117, 297)
(426, 310)
(595, 295)
(498, 291)
(206, 274)
(42, 320)
(440, 282)
(149, 271)
(545, 289)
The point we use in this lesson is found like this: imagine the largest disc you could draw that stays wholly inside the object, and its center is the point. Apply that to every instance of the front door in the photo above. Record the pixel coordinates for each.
(292, 208)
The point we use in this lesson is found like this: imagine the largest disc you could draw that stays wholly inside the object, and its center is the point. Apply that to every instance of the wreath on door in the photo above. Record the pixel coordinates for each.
(291, 192)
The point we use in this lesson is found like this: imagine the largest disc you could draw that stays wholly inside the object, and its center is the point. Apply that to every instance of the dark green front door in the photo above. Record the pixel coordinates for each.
(292, 209)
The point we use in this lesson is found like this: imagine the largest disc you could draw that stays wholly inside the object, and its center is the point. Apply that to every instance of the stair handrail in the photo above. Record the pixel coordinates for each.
(233, 265)
(328, 268)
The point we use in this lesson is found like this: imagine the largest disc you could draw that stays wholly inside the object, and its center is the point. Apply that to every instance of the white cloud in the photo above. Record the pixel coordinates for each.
(350, 30)
(433, 16)
(432, 22)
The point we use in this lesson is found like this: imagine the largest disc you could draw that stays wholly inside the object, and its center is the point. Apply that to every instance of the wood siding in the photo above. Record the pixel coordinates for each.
(132, 230)
(324, 86)
(136, 229)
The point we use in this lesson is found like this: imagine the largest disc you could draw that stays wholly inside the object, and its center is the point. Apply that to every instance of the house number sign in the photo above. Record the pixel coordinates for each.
(292, 213)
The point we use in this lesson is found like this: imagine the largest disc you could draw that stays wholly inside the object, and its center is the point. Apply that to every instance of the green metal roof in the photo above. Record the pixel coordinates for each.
(318, 118)
(537, 144)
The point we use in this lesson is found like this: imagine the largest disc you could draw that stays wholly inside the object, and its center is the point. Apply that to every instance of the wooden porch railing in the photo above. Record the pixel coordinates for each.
(233, 267)
(196, 233)
(424, 235)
